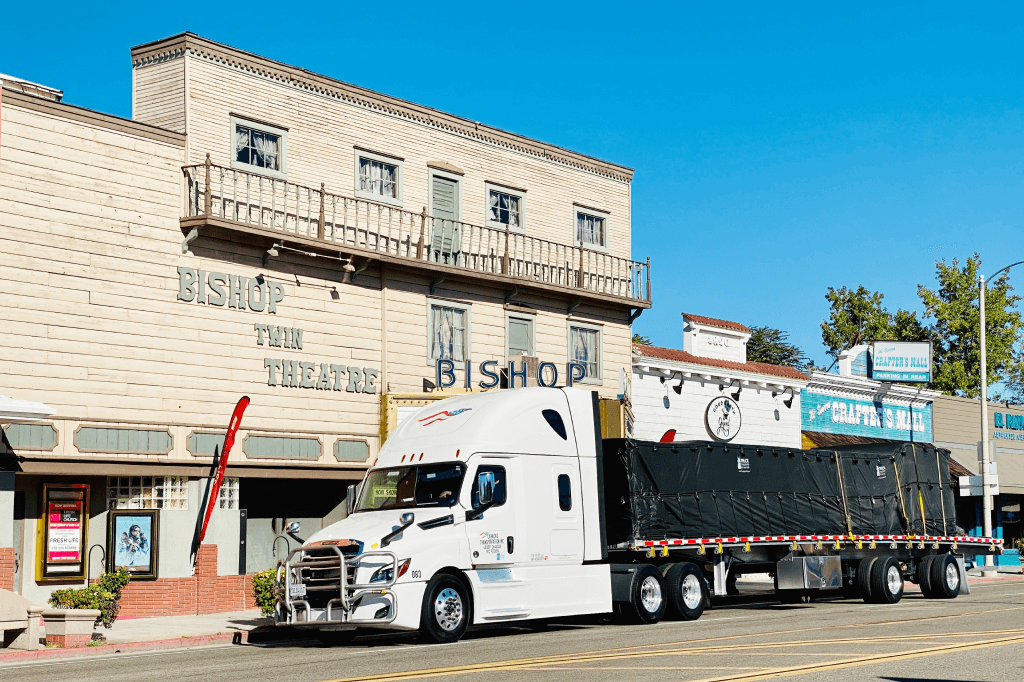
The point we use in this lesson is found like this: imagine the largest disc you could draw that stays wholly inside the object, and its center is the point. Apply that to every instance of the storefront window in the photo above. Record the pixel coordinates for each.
(147, 492)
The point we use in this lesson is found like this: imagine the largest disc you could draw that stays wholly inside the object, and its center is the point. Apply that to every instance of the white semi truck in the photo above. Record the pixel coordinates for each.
(490, 508)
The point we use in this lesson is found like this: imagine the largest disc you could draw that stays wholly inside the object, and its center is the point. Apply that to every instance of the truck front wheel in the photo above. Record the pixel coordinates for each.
(446, 608)
(687, 591)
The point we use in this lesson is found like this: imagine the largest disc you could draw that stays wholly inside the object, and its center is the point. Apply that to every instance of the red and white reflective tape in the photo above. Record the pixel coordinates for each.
(816, 538)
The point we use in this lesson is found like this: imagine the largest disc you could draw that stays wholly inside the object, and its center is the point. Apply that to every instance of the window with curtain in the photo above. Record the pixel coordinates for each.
(257, 148)
(590, 229)
(504, 209)
(520, 336)
(449, 333)
(584, 348)
(378, 178)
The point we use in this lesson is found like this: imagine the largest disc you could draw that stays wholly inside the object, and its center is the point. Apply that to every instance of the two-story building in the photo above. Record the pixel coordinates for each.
(257, 229)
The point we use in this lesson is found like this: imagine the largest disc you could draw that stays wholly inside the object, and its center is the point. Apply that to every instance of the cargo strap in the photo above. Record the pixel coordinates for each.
(942, 502)
(920, 494)
(899, 491)
(842, 493)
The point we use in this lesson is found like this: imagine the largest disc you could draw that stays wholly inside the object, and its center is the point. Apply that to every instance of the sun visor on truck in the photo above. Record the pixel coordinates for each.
(707, 489)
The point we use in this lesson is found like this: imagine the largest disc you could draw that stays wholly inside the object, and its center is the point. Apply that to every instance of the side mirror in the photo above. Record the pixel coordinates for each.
(293, 527)
(485, 486)
(350, 500)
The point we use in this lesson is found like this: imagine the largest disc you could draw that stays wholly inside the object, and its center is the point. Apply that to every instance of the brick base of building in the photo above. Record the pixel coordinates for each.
(7, 568)
(205, 592)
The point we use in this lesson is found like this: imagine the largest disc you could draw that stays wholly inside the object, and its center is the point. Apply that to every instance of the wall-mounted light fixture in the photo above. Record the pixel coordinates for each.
(788, 402)
(334, 293)
(734, 383)
(272, 251)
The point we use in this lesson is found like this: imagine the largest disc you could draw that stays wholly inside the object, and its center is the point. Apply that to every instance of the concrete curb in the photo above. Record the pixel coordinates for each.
(231, 637)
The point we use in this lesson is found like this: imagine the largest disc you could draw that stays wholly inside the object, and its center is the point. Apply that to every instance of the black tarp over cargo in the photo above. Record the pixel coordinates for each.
(657, 491)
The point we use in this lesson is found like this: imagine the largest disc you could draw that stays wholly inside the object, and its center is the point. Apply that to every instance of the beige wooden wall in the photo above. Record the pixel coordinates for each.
(92, 326)
(322, 132)
(158, 95)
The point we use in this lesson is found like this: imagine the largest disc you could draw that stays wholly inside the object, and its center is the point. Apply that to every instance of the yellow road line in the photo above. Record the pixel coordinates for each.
(561, 660)
(641, 649)
(864, 660)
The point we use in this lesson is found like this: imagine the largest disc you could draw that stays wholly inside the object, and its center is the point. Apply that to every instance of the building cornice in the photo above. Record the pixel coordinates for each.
(862, 388)
(694, 371)
(179, 45)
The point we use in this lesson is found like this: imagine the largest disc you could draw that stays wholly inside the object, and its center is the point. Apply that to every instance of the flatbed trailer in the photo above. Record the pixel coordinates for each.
(507, 506)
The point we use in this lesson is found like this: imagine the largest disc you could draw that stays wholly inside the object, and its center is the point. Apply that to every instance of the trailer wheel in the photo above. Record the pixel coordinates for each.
(945, 577)
(687, 591)
(886, 581)
(924, 576)
(647, 602)
(864, 577)
(445, 613)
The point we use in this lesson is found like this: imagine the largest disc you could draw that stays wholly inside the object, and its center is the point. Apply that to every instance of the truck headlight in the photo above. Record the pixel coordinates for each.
(384, 574)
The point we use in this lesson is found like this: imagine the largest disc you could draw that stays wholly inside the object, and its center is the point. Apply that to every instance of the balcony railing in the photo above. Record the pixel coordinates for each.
(358, 225)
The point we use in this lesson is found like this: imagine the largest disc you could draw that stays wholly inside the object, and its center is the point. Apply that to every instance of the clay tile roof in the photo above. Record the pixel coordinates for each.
(752, 367)
(714, 322)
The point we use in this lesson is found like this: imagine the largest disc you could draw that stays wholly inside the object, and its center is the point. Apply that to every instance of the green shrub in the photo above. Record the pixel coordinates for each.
(263, 589)
(105, 595)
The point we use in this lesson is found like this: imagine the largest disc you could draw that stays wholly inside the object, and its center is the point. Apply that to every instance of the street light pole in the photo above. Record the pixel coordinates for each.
(986, 499)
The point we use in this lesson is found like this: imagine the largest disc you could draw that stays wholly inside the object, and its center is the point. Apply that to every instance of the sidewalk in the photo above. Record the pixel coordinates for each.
(141, 634)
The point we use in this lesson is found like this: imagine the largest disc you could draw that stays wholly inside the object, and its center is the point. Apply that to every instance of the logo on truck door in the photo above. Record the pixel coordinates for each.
(441, 416)
(723, 419)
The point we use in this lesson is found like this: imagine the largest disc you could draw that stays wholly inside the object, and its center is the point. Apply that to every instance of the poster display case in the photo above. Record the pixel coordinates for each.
(132, 541)
(62, 535)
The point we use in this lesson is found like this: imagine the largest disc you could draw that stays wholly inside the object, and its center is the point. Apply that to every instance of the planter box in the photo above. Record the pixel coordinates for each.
(69, 627)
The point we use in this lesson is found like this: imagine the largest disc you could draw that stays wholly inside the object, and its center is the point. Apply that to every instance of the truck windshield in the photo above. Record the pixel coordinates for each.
(428, 485)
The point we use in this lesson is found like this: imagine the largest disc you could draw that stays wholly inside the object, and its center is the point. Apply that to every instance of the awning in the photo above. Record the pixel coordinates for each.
(12, 408)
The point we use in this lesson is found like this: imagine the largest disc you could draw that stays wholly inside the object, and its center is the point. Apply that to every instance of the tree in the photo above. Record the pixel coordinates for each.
(858, 316)
(772, 346)
(955, 333)
(641, 340)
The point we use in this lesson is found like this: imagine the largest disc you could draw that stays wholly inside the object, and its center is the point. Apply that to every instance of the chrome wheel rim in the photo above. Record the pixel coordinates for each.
(691, 591)
(894, 579)
(952, 577)
(448, 609)
(650, 594)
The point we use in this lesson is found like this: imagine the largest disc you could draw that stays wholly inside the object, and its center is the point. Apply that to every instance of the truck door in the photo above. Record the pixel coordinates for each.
(567, 514)
(492, 538)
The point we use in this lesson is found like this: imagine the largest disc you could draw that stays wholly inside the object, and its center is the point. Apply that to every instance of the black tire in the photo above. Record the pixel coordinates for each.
(687, 591)
(924, 575)
(864, 577)
(647, 602)
(945, 577)
(335, 637)
(446, 610)
(886, 581)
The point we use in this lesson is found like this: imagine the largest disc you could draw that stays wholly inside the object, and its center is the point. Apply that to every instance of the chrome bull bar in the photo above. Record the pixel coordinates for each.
(339, 609)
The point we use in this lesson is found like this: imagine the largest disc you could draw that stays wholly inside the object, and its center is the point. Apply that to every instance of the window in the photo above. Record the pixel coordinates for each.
(585, 349)
(378, 177)
(592, 228)
(428, 485)
(519, 335)
(257, 147)
(147, 492)
(564, 492)
(448, 329)
(554, 420)
(500, 492)
(504, 207)
(228, 496)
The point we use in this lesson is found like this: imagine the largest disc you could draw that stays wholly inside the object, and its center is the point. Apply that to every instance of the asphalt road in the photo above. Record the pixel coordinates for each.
(979, 637)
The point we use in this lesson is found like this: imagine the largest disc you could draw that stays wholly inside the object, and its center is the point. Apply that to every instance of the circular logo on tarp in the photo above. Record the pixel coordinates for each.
(722, 418)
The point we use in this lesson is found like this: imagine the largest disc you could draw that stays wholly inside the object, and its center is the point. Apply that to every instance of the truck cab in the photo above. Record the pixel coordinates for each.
(478, 509)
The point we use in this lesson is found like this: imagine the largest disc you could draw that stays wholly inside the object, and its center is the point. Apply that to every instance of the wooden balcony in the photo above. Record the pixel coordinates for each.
(316, 220)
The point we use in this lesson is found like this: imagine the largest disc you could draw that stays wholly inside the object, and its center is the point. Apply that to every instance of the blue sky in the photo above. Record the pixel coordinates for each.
(778, 151)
